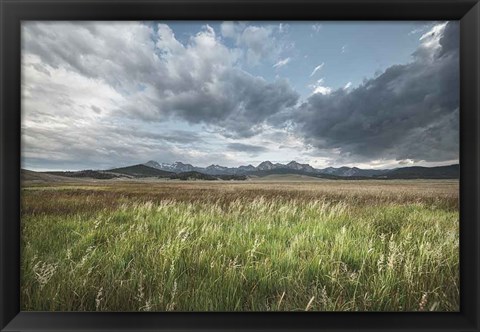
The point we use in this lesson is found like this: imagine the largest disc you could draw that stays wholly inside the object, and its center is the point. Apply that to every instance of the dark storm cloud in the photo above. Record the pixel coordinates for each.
(253, 149)
(240, 103)
(408, 112)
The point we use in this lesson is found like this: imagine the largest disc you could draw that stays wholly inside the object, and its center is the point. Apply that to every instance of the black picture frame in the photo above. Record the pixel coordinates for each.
(14, 11)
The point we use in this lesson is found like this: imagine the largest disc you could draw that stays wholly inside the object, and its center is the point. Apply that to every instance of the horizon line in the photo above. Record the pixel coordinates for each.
(249, 164)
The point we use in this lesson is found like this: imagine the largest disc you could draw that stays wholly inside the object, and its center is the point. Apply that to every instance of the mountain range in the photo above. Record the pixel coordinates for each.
(451, 171)
(179, 167)
(182, 171)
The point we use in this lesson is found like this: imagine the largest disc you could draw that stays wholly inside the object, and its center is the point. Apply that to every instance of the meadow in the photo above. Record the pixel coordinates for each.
(240, 246)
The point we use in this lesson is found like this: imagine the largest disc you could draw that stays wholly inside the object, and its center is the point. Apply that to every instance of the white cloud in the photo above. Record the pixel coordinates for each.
(281, 63)
(317, 68)
(318, 87)
(434, 33)
(324, 90)
(430, 43)
(431, 39)
(228, 29)
(419, 30)
(257, 44)
(316, 27)
(40, 80)
(283, 28)
(347, 86)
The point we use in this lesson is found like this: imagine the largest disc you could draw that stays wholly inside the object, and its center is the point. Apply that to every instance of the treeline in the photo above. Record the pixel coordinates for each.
(86, 174)
(201, 176)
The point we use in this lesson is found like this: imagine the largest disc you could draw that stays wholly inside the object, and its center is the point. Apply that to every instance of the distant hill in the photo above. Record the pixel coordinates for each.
(141, 171)
(27, 175)
(87, 174)
(417, 172)
(286, 171)
(440, 172)
(352, 171)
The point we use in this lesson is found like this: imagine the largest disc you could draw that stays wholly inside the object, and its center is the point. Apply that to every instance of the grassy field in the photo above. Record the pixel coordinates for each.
(256, 246)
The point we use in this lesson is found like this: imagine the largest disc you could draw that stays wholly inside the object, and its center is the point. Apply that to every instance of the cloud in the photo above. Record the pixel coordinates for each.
(281, 63)
(252, 149)
(323, 90)
(229, 29)
(319, 88)
(316, 27)
(430, 42)
(420, 29)
(156, 78)
(347, 86)
(283, 28)
(123, 91)
(96, 109)
(407, 112)
(212, 90)
(118, 53)
(118, 91)
(317, 68)
(257, 44)
(68, 130)
(406, 162)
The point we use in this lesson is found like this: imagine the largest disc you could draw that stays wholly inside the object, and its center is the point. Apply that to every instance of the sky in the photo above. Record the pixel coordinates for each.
(99, 95)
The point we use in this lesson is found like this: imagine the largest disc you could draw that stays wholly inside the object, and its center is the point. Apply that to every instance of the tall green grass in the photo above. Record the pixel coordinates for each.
(256, 255)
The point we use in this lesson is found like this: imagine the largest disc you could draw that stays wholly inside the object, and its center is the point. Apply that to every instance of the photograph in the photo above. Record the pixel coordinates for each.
(240, 166)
